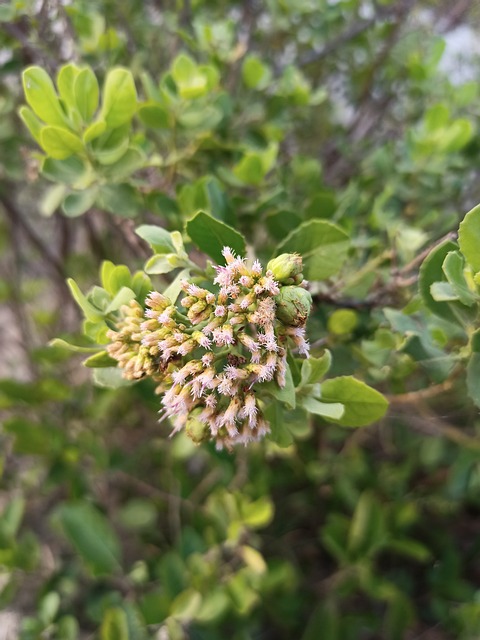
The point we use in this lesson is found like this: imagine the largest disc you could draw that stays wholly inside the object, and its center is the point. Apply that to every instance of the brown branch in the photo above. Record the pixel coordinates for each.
(16, 217)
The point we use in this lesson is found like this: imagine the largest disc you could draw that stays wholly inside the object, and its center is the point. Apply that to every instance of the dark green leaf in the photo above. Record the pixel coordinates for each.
(211, 236)
(323, 246)
(92, 536)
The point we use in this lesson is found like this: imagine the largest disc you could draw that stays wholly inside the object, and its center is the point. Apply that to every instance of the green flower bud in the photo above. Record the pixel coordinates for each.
(196, 430)
(293, 306)
(285, 267)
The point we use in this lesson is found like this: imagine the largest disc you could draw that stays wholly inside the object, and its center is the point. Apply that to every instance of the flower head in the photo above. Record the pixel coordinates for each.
(211, 365)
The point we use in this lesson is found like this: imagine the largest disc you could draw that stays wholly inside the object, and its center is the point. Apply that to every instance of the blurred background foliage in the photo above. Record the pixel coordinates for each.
(265, 115)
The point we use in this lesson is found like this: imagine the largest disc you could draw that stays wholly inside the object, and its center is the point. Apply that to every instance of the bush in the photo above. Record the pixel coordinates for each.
(249, 217)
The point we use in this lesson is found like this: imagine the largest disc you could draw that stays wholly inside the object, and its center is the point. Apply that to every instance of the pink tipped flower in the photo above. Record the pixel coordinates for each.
(226, 386)
(246, 281)
(228, 254)
(220, 311)
(248, 342)
(234, 373)
(298, 336)
(187, 347)
(207, 359)
(257, 268)
(249, 410)
(202, 339)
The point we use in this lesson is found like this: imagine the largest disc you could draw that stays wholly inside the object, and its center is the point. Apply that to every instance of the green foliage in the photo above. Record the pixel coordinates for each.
(141, 142)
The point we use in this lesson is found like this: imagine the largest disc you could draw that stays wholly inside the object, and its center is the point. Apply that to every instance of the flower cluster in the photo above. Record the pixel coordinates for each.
(210, 363)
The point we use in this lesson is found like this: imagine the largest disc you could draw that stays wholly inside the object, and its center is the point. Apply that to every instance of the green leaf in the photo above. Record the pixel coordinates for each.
(250, 169)
(86, 93)
(69, 171)
(94, 131)
(123, 296)
(367, 528)
(99, 360)
(191, 83)
(60, 143)
(52, 199)
(119, 98)
(117, 277)
(163, 263)
(91, 313)
(75, 348)
(108, 149)
(186, 605)
(255, 73)
(77, 203)
(430, 272)
(363, 405)
(342, 321)
(443, 292)
(211, 236)
(473, 369)
(42, 97)
(132, 160)
(284, 394)
(120, 199)
(154, 116)
(257, 514)
(328, 410)
(32, 123)
(214, 605)
(173, 290)
(110, 378)
(454, 269)
(469, 238)
(92, 536)
(323, 246)
(159, 239)
(114, 625)
(65, 83)
(314, 369)
(324, 623)
(280, 434)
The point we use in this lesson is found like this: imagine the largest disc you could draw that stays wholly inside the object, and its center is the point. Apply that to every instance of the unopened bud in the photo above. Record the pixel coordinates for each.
(293, 306)
(196, 430)
(285, 267)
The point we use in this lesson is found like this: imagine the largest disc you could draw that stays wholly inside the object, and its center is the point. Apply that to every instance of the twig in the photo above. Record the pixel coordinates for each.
(413, 397)
(15, 216)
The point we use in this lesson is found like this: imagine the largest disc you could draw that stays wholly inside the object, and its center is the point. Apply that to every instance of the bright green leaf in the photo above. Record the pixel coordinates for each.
(91, 313)
(86, 93)
(328, 410)
(363, 405)
(65, 83)
(119, 98)
(159, 239)
(59, 143)
(94, 131)
(100, 359)
(469, 238)
(42, 97)
(453, 267)
(114, 625)
(430, 272)
(32, 123)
